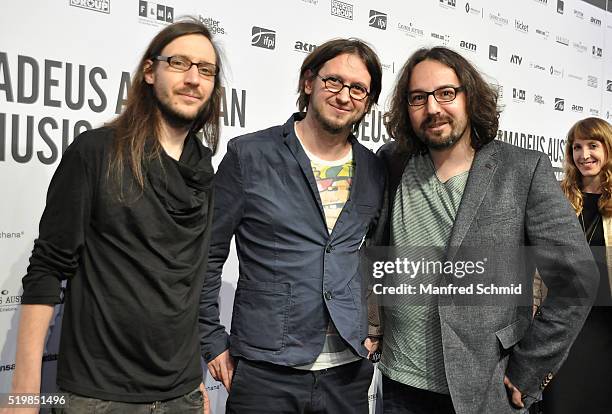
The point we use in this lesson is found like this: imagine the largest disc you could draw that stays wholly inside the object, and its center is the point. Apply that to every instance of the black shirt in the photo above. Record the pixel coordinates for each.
(134, 270)
(592, 223)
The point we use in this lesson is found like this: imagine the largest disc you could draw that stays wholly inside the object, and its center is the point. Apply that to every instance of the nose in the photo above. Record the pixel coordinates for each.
(344, 95)
(432, 106)
(192, 76)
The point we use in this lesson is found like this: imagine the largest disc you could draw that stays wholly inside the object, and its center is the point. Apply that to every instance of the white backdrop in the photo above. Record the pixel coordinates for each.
(65, 67)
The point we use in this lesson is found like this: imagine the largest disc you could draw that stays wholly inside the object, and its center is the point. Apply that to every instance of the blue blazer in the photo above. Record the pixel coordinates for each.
(293, 275)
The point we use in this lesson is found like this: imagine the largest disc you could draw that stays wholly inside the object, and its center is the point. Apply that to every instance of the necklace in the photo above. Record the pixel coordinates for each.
(591, 228)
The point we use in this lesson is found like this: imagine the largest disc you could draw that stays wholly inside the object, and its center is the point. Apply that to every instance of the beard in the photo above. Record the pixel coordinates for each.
(439, 141)
(330, 124)
(176, 118)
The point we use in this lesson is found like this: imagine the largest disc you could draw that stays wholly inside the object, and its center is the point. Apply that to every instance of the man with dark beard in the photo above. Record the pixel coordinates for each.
(127, 225)
(456, 193)
(300, 199)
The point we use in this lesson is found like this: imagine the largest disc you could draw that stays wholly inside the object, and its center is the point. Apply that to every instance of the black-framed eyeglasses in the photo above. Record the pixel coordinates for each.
(335, 85)
(182, 64)
(442, 95)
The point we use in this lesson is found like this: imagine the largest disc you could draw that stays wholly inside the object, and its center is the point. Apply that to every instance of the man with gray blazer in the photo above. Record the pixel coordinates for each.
(452, 185)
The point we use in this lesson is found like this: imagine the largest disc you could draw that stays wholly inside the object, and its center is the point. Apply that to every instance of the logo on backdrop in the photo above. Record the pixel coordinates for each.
(574, 76)
(155, 12)
(556, 71)
(340, 9)
(559, 104)
(597, 52)
(470, 47)
(609, 85)
(474, 11)
(499, 89)
(562, 40)
(578, 14)
(592, 81)
(543, 2)
(493, 52)
(448, 4)
(578, 109)
(498, 19)
(520, 26)
(516, 59)
(388, 66)
(543, 33)
(102, 6)
(444, 39)
(378, 20)
(594, 112)
(579, 46)
(304, 47)
(264, 38)
(539, 99)
(537, 66)
(518, 95)
(313, 2)
(595, 21)
(410, 30)
(213, 25)
(560, 6)
(8, 301)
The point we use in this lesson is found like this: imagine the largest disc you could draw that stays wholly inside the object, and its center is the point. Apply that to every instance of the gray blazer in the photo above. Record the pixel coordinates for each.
(511, 199)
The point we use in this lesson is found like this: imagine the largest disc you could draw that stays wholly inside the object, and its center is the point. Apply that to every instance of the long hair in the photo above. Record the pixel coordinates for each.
(138, 126)
(599, 130)
(329, 50)
(482, 109)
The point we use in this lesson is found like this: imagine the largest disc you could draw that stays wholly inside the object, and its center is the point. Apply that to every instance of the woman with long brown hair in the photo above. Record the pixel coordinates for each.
(582, 385)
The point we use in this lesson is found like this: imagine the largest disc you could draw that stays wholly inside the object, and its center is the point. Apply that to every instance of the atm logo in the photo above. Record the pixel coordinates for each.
(468, 46)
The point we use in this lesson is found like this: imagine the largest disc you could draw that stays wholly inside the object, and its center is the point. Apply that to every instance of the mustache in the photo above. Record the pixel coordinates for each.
(188, 91)
(431, 120)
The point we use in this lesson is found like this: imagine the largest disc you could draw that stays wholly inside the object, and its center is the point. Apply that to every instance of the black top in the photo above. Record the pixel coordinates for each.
(593, 226)
(134, 271)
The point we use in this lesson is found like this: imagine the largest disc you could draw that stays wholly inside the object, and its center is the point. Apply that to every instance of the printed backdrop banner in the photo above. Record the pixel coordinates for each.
(65, 67)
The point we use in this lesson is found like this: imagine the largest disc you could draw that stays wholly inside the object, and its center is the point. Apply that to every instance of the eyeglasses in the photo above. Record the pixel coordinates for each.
(442, 95)
(335, 85)
(183, 64)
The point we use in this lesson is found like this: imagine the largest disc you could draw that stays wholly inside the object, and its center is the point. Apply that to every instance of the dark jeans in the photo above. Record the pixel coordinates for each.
(399, 398)
(78, 404)
(259, 387)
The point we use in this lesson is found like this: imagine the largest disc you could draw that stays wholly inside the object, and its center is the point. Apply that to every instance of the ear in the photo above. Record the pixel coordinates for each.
(149, 76)
(308, 80)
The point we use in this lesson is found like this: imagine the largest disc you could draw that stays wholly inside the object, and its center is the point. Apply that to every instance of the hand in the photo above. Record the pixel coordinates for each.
(515, 395)
(372, 345)
(222, 369)
(206, 401)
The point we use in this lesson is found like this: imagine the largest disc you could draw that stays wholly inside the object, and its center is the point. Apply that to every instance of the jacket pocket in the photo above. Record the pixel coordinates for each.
(511, 334)
(261, 310)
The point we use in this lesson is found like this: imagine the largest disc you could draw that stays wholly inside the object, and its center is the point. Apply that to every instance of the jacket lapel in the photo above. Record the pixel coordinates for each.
(479, 179)
(292, 142)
